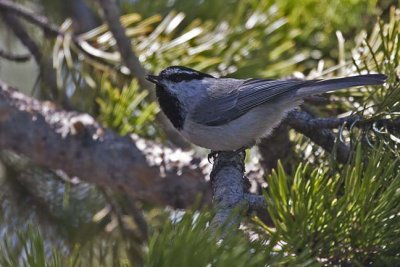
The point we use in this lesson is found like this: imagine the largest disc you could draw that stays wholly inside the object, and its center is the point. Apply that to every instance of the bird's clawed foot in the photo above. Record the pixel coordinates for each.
(213, 155)
(240, 150)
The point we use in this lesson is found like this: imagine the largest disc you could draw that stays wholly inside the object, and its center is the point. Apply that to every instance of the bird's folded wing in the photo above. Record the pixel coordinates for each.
(225, 103)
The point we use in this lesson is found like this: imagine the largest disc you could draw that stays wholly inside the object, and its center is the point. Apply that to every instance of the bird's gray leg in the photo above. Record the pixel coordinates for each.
(214, 154)
(243, 148)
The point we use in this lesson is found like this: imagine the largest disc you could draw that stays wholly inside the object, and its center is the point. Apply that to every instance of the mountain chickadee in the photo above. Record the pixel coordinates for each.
(224, 114)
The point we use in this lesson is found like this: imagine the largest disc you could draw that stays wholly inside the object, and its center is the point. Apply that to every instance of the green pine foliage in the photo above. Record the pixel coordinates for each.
(380, 51)
(125, 110)
(30, 244)
(189, 242)
(349, 217)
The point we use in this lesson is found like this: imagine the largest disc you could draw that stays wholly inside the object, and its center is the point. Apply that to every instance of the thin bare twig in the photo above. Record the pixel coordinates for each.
(21, 11)
(14, 57)
(15, 25)
(46, 72)
(112, 16)
(137, 215)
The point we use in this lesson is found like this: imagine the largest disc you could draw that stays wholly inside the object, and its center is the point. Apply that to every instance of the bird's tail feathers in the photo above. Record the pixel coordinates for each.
(322, 86)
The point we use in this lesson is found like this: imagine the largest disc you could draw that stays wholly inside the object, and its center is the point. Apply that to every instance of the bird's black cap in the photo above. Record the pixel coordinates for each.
(178, 74)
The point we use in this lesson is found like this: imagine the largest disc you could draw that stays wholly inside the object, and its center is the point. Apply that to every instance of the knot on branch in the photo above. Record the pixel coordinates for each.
(229, 159)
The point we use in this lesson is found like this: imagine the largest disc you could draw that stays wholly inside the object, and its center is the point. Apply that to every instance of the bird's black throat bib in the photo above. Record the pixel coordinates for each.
(171, 106)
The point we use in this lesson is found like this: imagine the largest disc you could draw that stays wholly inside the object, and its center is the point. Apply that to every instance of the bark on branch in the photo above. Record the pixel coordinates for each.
(230, 192)
(228, 183)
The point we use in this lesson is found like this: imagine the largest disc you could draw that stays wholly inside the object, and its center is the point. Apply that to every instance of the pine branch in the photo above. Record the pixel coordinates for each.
(230, 197)
(299, 120)
(228, 183)
(318, 129)
(330, 123)
(75, 143)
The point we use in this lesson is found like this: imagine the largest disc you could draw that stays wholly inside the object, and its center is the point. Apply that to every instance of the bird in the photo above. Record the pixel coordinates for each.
(227, 114)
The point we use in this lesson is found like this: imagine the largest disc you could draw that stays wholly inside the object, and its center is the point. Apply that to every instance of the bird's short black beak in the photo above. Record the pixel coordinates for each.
(153, 78)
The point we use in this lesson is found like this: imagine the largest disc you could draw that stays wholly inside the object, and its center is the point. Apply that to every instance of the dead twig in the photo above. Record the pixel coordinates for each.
(112, 16)
(15, 9)
(14, 57)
